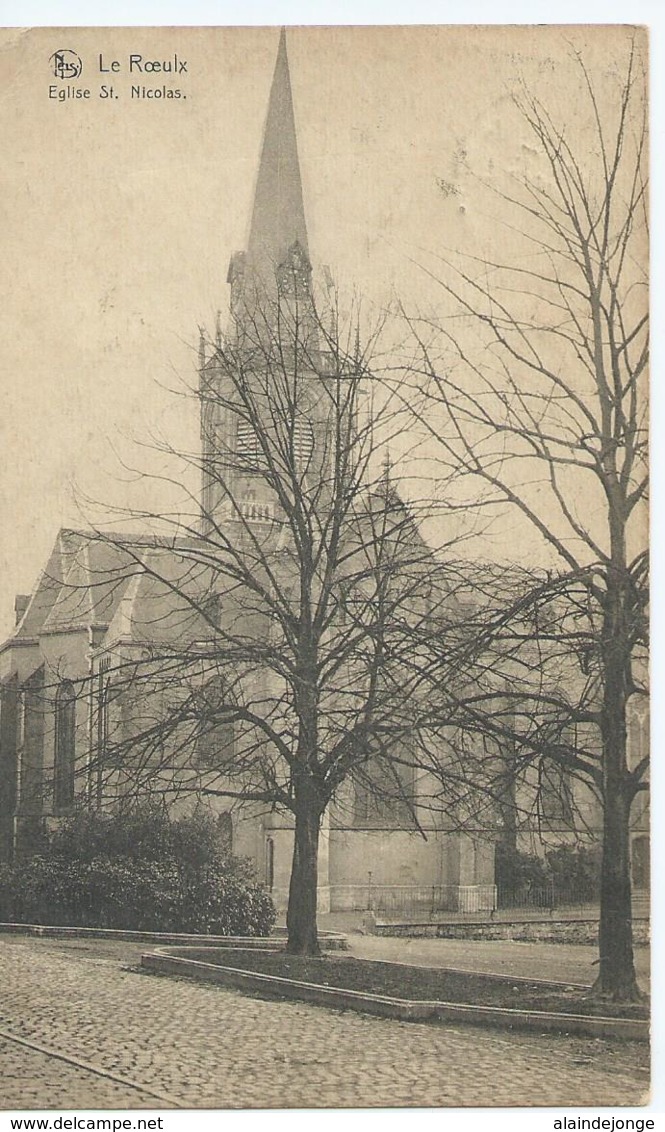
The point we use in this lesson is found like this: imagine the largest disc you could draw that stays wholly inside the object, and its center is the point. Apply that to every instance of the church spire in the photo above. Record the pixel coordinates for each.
(278, 217)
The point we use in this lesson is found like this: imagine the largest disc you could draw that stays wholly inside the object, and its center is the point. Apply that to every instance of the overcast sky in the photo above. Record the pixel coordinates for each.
(120, 216)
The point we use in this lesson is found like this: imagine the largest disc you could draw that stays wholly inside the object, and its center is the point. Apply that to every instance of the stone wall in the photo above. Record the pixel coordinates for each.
(542, 931)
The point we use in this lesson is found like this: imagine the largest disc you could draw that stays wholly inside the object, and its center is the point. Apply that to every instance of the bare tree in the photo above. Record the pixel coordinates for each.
(534, 389)
(267, 649)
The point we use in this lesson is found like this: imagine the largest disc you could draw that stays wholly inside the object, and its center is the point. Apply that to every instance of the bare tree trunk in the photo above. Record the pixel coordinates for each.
(301, 914)
(616, 978)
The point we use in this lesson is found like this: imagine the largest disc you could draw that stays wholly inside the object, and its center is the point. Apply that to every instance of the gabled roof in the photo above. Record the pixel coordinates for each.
(81, 584)
(93, 576)
(128, 587)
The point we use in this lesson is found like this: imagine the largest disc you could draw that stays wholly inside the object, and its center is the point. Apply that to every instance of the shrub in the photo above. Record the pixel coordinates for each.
(575, 869)
(567, 874)
(138, 871)
(515, 871)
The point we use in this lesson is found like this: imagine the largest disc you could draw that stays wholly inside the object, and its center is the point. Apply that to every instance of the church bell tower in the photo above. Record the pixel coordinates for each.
(261, 409)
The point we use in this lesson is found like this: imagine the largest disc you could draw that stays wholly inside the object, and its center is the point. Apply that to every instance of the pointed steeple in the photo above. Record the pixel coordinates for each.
(278, 217)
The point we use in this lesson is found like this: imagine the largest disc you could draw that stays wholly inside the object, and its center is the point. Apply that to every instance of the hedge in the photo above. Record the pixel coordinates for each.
(137, 872)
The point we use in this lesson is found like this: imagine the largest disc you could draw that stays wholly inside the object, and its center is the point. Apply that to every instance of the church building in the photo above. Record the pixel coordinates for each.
(104, 605)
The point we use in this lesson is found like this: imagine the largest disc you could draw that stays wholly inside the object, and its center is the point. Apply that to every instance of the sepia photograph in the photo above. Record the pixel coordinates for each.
(324, 612)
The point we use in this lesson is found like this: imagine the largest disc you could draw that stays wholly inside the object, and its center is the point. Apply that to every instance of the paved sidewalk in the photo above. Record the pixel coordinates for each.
(560, 962)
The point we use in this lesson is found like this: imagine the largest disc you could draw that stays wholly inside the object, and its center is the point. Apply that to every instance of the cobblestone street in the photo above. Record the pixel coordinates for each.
(198, 1046)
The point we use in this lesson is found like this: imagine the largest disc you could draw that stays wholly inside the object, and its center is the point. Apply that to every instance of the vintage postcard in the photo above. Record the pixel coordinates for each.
(324, 696)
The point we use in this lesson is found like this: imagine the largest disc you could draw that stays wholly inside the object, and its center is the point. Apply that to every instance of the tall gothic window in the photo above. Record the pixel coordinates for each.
(555, 794)
(103, 732)
(65, 746)
(384, 795)
(215, 738)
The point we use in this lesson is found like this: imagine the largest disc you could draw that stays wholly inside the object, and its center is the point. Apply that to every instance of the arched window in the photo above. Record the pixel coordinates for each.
(640, 860)
(384, 794)
(103, 728)
(65, 746)
(215, 732)
(555, 798)
(270, 863)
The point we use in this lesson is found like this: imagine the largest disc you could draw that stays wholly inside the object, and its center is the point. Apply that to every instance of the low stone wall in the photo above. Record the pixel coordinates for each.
(172, 961)
(329, 941)
(538, 931)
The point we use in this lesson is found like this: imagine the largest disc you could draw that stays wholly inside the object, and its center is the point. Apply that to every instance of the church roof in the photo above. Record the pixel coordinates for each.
(92, 578)
(80, 585)
(160, 605)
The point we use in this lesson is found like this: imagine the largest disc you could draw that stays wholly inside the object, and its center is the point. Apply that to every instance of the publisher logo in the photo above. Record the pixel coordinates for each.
(66, 64)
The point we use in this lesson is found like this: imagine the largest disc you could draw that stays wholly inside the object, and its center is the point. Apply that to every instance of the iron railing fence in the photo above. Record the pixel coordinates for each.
(547, 896)
(476, 902)
(410, 901)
